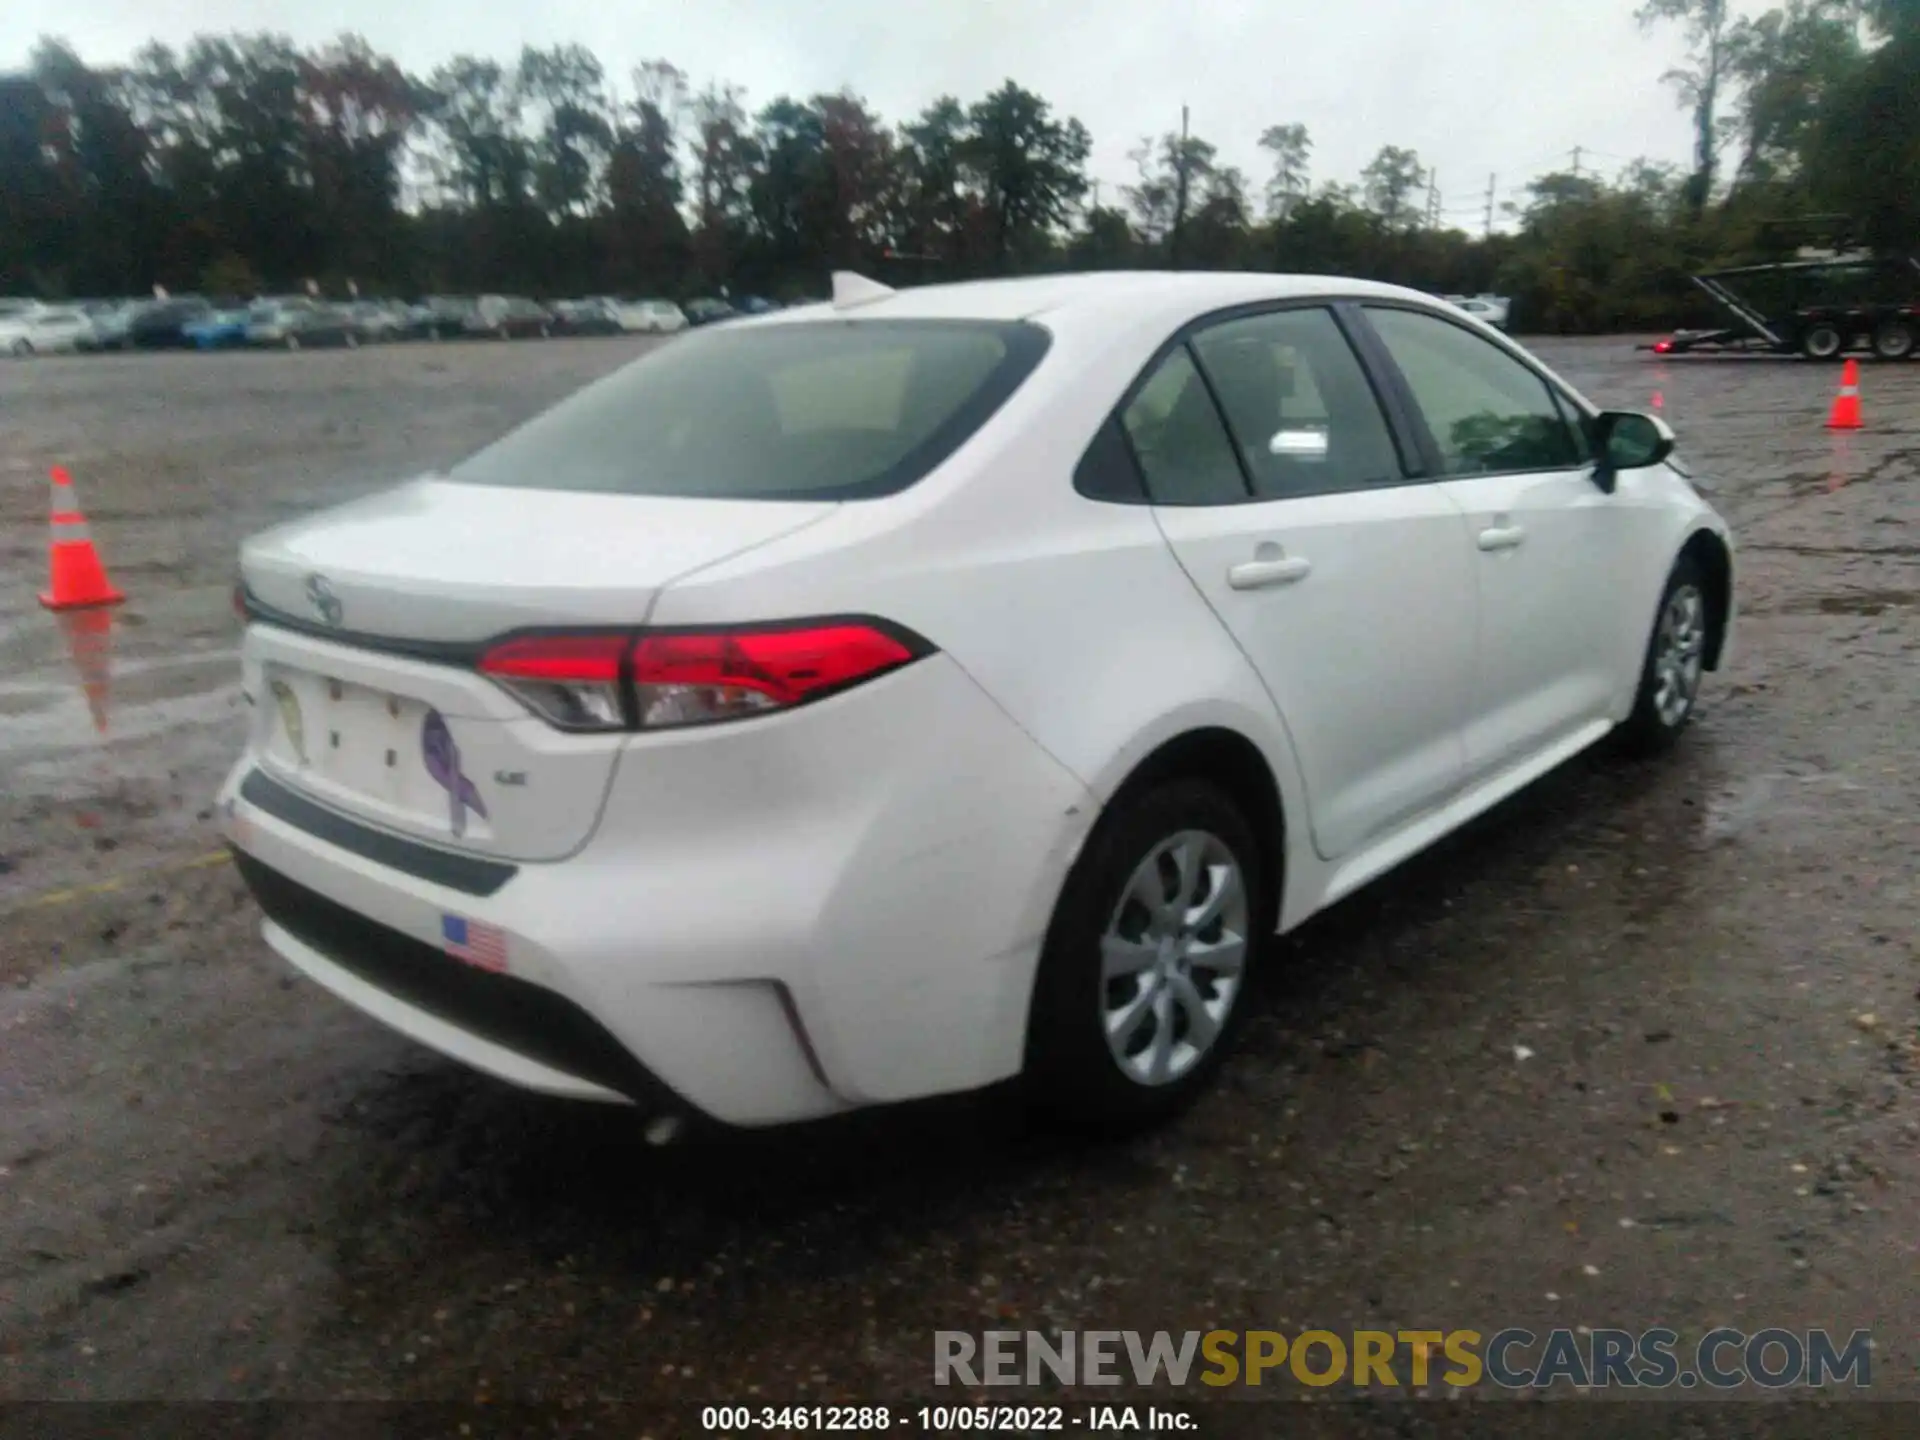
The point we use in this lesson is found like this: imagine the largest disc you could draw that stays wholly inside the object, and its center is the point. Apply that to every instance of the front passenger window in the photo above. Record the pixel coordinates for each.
(1488, 413)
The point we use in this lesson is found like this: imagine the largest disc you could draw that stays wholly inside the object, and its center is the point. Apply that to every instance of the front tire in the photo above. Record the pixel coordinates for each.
(1675, 663)
(1142, 982)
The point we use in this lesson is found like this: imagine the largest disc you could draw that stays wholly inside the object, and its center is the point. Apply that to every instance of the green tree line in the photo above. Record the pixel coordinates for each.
(244, 162)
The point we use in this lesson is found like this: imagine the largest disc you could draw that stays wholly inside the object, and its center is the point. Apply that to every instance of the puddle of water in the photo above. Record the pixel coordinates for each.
(1870, 602)
(1858, 602)
(53, 684)
(66, 726)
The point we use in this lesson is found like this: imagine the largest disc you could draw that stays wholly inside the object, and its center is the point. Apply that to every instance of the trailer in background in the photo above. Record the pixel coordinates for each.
(1820, 308)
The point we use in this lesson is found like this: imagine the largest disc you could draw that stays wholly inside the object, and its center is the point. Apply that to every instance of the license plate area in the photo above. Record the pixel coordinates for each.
(361, 746)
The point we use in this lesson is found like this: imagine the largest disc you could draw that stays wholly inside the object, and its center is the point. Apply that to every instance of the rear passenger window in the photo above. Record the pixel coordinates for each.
(1176, 433)
(1298, 403)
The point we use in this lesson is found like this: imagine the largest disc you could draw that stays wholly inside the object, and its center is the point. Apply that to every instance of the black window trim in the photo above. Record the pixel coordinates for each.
(1417, 465)
(1558, 395)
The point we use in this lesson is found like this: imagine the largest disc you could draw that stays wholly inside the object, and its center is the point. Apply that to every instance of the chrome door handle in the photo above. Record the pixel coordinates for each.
(1259, 574)
(1502, 537)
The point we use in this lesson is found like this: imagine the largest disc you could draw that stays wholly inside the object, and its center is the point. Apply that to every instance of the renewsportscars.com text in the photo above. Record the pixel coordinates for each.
(1512, 1358)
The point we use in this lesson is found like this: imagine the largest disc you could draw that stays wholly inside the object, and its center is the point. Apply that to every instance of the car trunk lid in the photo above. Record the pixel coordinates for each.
(372, 619)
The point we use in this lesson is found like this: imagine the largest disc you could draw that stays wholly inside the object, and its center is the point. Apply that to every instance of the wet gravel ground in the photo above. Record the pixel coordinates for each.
(1639, 1049)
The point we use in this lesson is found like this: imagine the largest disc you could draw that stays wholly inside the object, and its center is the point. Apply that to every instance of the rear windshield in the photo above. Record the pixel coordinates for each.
(824, 410)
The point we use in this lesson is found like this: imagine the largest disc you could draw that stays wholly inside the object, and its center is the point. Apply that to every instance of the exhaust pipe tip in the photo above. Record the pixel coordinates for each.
(664, 1129)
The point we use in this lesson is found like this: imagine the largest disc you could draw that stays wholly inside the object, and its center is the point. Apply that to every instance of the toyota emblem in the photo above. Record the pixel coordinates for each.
(325, 603)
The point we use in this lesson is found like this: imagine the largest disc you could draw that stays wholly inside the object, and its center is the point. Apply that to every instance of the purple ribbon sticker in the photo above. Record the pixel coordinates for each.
(443, 764)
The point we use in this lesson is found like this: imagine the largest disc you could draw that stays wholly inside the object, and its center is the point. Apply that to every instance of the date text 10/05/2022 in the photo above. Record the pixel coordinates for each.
(943, 1419)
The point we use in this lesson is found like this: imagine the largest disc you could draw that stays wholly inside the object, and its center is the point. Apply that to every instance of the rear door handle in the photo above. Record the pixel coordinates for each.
(1502, 537)
(1260, 574)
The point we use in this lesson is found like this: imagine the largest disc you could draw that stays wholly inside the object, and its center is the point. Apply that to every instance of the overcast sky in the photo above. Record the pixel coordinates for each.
(1477, 87)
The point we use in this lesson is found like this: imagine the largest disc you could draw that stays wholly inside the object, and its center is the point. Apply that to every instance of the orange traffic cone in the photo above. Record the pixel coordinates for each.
(78, 578)
(89, 634)
(1845, 414)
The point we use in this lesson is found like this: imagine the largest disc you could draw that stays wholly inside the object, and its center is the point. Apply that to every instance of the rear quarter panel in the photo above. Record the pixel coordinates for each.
(1071, 614)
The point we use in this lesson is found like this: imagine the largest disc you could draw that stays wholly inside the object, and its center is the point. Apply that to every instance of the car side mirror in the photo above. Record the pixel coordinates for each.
(1628, 440)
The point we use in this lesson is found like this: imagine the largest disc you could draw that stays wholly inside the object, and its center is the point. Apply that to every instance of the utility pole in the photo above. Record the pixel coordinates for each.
(1433, 199)
(1576, 160)
(1179, 195)
(1488, 233)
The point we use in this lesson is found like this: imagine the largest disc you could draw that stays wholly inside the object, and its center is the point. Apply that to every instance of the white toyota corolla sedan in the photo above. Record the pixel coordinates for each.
(893, 696)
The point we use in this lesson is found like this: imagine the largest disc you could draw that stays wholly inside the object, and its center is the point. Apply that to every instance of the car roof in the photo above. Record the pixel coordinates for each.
(1062, 299)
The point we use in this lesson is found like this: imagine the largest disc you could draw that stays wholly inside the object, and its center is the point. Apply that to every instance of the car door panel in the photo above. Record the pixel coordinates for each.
(1366, 650)
(1283, 496)
(1547, 597)
(1547, 541)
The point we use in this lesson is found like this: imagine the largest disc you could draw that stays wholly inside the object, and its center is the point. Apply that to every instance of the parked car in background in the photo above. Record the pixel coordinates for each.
(377, 321)
(755, 305)
(218, 330)
(162, 325)
(44, 330)
(1490, 309)
(651, 317)
(112, 322)
(706, 310)
(274, 322)
(586, 317)
(509, 317)
(99, 313)
(300, 323)
(437, 317)
(325, 325)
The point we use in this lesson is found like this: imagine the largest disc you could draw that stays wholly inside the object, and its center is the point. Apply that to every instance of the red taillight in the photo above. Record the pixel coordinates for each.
(592, 659)
(571, 680)
(1661, 347)
(662, 680)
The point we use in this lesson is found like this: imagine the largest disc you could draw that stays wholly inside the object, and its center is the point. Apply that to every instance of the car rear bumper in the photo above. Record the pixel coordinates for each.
(521, 1032)
(837, 907)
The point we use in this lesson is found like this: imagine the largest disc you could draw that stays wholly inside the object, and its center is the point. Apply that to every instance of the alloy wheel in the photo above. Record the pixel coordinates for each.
(1173, 957)
(1678, 651)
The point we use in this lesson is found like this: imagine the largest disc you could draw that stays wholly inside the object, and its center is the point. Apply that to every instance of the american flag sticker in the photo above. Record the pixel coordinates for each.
(482, 946)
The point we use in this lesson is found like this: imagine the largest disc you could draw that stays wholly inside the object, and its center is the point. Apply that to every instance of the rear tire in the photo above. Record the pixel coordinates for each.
(1895, 339)
(1152, 944)
(1675, 663)
(23, 349)
(1822, 341)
